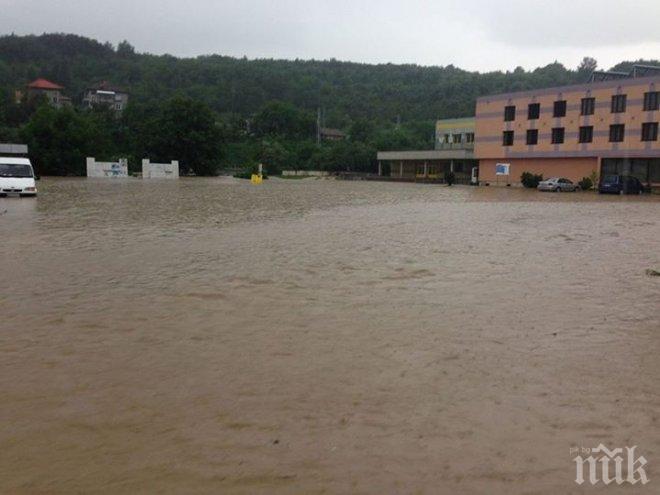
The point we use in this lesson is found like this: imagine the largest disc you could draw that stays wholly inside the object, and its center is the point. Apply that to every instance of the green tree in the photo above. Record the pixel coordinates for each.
(361, 130)
(279, 118)
(60, 140)
(274, 156)
(587, 66)
(184, 130)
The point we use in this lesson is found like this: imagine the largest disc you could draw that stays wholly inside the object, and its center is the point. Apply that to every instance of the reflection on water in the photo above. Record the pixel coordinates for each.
(207, 335)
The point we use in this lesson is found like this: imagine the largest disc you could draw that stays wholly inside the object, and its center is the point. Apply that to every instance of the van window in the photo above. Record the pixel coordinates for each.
(11, 170)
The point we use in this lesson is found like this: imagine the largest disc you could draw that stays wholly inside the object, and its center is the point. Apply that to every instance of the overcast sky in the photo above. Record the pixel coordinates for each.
(471, 34)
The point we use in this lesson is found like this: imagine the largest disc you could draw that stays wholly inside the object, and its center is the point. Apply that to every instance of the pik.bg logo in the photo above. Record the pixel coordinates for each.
(609, 466)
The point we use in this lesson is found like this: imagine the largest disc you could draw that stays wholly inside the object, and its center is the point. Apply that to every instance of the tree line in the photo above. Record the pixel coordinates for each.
(214, 112)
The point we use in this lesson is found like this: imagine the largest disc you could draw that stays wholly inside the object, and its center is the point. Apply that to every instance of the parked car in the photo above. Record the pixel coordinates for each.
(620, 184)
(16, 177)
(557, 184)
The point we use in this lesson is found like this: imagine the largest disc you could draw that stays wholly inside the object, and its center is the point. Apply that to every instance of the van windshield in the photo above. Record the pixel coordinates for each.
(11, 170)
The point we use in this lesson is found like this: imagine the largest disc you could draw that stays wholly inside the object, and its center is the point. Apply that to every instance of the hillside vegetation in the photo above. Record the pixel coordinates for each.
(258, 110)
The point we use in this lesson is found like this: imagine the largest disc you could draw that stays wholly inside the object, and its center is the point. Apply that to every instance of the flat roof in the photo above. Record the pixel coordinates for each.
(631, 81)
(11, 160)
(460, 154)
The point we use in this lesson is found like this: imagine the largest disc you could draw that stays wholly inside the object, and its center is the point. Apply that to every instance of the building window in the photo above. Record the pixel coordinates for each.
(447, 139)
(559, 109)
(532, 136)
(557, 135)
(510, 113)
(457, 138)
(588, 106)
(469, 137)
(617, 132)
(586, 134)
(507, 138)
(651, 100)
(618, 103)
(533, 111)
(650, 131)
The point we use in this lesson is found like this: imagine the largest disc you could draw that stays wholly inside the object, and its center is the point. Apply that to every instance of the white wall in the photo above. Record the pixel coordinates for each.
(107, 169)
(311, 173)
(160, 170)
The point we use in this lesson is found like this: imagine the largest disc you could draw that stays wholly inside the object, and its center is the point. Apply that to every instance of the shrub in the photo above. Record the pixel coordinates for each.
(247, 173)
(450, 178)
(586, 183)
(530, 180)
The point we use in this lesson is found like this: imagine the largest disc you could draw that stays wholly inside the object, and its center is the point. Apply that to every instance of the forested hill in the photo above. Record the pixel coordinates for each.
(237, 85)
(235, 112)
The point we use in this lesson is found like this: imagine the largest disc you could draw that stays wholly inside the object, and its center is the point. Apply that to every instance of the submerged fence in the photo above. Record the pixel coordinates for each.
(160, 170)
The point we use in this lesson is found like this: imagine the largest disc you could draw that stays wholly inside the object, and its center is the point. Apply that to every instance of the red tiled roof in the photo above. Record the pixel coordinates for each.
(44, 84)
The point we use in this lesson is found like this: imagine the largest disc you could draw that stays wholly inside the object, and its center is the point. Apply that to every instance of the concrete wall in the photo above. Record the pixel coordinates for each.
(571, 168)
(160, 170)
(107, 169)
(312, 173)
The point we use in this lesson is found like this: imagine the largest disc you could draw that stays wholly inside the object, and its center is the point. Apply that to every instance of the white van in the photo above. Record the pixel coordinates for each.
(16, 177)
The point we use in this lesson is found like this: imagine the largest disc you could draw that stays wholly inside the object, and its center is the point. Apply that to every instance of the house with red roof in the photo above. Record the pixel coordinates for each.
(52, 92)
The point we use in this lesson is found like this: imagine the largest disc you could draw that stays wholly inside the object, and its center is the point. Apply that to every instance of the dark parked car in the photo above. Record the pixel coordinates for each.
(620, 184)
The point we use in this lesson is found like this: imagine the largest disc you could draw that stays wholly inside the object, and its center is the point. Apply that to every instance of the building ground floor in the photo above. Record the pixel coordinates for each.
(416, 170)
(647, 170)
(427, 166)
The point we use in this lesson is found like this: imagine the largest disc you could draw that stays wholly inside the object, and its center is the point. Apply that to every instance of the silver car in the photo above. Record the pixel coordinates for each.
(557, 184)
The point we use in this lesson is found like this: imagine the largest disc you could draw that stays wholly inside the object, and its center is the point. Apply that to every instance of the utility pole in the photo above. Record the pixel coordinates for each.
(318, 126)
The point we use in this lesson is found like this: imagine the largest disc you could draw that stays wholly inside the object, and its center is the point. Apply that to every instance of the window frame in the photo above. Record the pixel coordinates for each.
(556, 132)
(537, 111)
(509, 113)
(559, 109)
(588, 105)
(532, 132)
(589, 129)
(614, 135)
(649, 98)
(505, 135)
(653, 133)
(619, 103)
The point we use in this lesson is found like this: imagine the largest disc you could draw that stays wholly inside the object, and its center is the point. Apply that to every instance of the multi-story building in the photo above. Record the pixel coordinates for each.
(51, 91)
(105, 94)
(454, 151)
(607, 126)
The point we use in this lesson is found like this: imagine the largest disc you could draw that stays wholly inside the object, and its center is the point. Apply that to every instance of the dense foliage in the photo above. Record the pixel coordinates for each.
(216, 111)
(586, 183)
(530, 180)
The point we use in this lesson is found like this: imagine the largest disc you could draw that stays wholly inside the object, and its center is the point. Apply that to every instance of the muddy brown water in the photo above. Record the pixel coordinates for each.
(316, 336)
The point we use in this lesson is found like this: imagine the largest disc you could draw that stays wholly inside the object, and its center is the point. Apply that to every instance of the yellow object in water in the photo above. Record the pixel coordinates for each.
(256, 179)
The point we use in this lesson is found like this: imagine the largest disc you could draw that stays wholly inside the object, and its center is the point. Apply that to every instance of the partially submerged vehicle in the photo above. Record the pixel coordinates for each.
(17, 177)
(557, 184)
(620, 184)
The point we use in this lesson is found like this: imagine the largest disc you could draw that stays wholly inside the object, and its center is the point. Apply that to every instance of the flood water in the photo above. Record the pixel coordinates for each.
(318, 336)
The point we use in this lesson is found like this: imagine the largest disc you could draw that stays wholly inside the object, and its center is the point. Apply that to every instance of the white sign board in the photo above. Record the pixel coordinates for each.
(502, 168)
(107, 169)
(160, 170)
